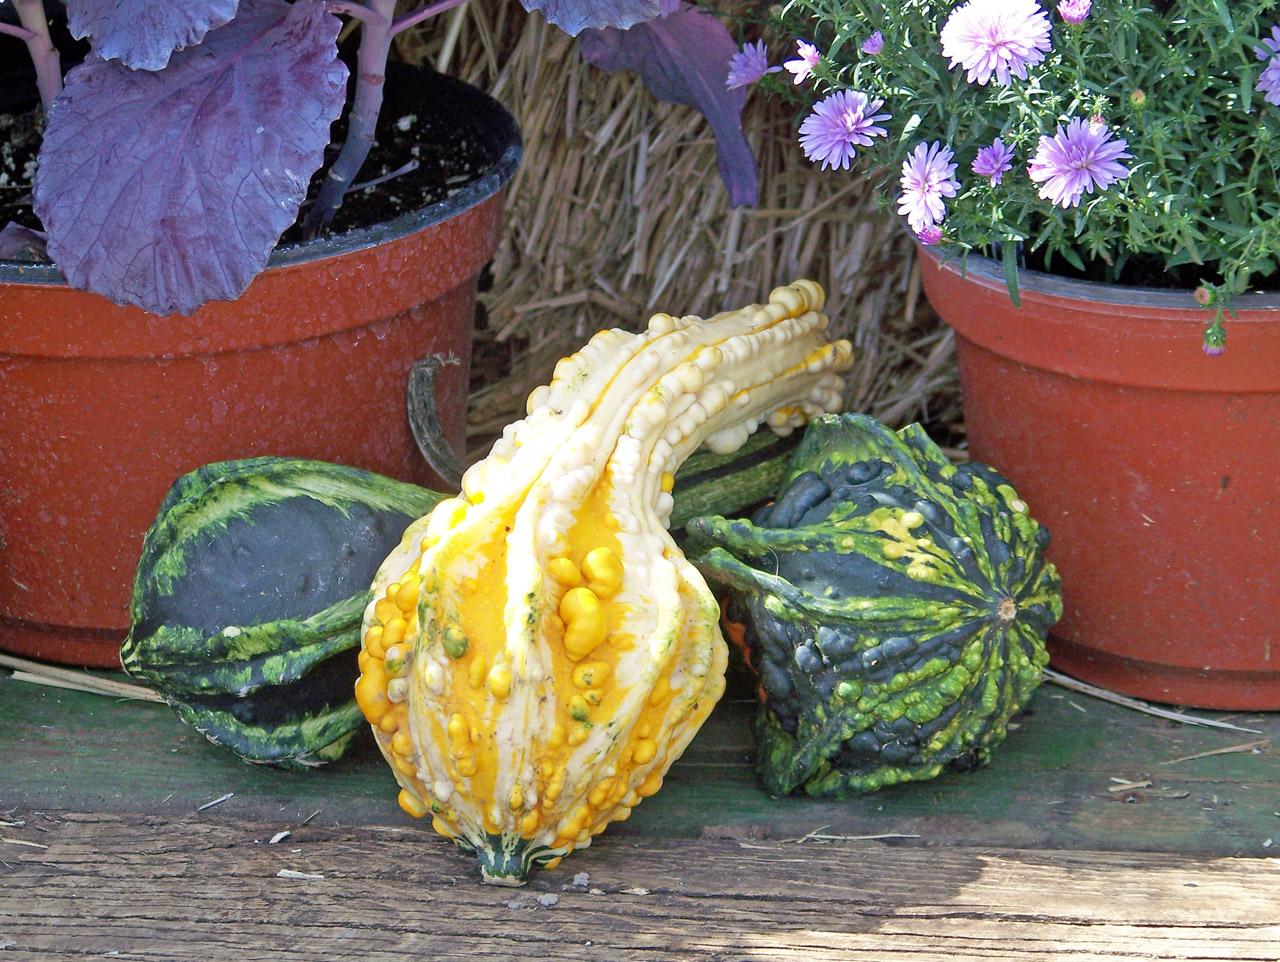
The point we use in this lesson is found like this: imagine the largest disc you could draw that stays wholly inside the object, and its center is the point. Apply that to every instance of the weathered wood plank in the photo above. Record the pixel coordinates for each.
(207, 888)
(1048, 785)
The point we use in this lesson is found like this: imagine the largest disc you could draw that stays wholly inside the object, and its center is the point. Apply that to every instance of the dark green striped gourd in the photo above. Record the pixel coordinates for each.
(253, 579)
(893, 605)
(248, 597)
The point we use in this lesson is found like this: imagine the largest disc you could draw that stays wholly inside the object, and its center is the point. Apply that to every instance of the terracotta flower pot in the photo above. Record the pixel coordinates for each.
(1155, 467)
(105, 406)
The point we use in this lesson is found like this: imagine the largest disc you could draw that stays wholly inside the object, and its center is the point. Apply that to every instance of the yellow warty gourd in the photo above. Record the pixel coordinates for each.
(539, 650)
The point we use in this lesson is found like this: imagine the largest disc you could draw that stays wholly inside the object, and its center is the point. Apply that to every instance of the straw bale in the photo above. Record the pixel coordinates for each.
(618, 212)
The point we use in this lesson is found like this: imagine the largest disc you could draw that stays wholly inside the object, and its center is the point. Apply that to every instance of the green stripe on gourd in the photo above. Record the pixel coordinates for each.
(895, 606)
(728, 484)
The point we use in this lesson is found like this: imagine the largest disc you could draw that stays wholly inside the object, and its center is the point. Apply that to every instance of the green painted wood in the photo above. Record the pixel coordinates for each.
(1047, 786)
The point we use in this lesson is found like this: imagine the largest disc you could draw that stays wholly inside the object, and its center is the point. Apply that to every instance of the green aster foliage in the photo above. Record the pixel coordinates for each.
(894, 606)
(1191, 86)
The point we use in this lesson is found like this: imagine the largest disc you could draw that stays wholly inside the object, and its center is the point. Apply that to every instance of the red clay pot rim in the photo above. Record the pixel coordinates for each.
(1152, 339)
(990, 273)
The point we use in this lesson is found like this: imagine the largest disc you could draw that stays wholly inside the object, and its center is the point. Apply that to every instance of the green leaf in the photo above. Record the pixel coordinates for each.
(1010, 257)
(1224, 14)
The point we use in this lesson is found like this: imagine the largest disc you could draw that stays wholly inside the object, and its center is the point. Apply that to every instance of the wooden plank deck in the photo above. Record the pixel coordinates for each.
(103, 852)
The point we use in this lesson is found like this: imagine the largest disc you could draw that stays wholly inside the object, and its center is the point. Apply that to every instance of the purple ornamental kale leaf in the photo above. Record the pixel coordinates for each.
(143, 33)
(574, 16)
(684, 59)
(168, 189)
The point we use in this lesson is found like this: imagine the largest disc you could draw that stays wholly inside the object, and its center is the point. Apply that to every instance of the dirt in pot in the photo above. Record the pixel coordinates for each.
(19, 141)
(417, 160)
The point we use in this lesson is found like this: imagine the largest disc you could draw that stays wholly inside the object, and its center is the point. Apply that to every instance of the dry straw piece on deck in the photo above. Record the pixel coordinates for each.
(618, 211)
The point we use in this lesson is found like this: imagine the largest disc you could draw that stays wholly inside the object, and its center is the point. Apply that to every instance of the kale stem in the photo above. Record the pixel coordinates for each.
(349, 8)
(44, 55)
(371, 73)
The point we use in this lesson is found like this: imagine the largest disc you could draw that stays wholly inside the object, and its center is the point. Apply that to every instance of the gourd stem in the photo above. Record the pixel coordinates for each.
(504, 864)
(371, 76)
(44, 55)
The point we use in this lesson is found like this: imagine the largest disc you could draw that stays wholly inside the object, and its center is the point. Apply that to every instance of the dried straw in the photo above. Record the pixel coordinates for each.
(618, 212)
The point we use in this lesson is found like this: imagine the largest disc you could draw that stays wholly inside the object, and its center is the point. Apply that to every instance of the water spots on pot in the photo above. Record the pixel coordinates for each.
(269, 402)
(347, 341)
(196, 345)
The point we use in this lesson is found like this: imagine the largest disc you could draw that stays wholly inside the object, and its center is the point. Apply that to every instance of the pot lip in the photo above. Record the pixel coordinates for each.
(990, 272)
(1124, 336)
(361, 238)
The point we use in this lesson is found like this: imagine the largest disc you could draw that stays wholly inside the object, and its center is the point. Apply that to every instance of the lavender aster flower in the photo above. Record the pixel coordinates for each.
(929, 236)
(1269, 82)
(993, 161)
(1075, 11)
(1075, 160)
(873, 44)
(1000, 37)
(839, 123)
(748, 65)
(927, 176)
(804, 63)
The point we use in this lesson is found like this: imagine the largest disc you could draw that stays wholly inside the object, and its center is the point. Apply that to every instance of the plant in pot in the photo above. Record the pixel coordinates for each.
(1093, 191)
(155, 321)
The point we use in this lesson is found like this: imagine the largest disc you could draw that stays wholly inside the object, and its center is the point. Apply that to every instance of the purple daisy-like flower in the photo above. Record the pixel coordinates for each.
(1269, 82)
(928, 175)
(807, 58)
(1075, 11)
(748, 65)
(873, 44)
(929, 236)
(993, 161)
(996, 37)
(839, 123)
(1076, 160)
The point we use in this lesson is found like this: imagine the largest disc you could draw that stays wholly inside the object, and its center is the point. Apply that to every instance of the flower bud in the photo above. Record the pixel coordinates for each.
(1215, 340)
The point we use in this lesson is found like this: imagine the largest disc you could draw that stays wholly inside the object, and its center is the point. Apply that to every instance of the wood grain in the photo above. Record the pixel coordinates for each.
(206, 888)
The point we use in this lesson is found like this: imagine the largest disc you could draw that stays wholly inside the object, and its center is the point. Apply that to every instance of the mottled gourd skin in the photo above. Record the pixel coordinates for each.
(539, 650)
(248, 597)
(893, 605)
